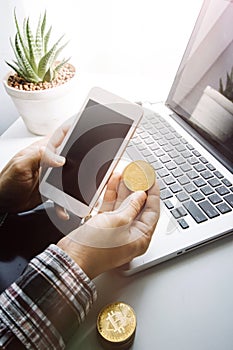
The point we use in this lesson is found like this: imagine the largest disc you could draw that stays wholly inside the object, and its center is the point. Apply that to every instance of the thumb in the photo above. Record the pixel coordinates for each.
(51, 159)
(131, 206)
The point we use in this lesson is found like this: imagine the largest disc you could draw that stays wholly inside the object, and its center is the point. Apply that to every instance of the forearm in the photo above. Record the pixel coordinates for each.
(43, 309)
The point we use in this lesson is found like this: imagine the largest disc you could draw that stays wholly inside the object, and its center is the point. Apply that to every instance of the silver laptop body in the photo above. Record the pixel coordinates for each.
(189, 142)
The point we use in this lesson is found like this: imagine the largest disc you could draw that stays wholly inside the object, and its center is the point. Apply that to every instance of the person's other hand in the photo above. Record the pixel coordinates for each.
(136, 213)
(19, 180)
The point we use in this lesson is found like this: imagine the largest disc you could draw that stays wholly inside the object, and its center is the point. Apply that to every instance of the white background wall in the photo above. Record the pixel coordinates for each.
(131, 47)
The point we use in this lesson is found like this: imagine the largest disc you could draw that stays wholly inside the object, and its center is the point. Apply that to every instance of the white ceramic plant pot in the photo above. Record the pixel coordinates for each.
(44, 110)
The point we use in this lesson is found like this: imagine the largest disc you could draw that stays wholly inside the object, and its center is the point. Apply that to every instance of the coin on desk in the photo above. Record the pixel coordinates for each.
(139, 176)
(116, 325)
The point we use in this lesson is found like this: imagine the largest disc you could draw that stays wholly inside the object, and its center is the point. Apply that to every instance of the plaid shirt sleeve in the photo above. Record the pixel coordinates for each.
(44, 307)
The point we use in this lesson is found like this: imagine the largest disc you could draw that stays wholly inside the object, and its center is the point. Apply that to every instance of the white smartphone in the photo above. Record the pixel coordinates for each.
(92, 148)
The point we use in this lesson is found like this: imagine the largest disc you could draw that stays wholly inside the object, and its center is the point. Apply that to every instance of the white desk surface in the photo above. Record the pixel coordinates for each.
(183, 304)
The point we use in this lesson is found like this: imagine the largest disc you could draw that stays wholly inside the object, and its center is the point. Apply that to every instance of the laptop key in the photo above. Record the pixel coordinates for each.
(173, 153)
(179, 160)
(183, 180)
(184, 141)
(203, 160)
(186, 167)
(177, 172)
(168, 204)
(157, 136)
(229, 199)
(194, 211)
(190, 188)
(162, 142)
(189, 146)
(167, 148)
(175, 142)
(157, 165)
(165, 194)
(199, 182)
(199, 167)
(182, 196)
(222, 190)
(193, 160)
(223, 208)
(170, 165)
(210, 167)
(206, 190)
(175, 213)
(151, 158)
(134, 153)
(162, 172)
(183, 223)
(192, 174)
(175, 188)
(161, 184)
(226, 182)
(196, 153)
(165, 158)
(215, 199)
(197, 196)
(214, 182)
(180, 148)
(149, 141)
(208, 209)
(169, 180)
(186, 154)
(182, 211)
(206, 174)
(177, 135)
(218, 174)
(159, 152)
(146, 153)
(154, 146)
(141, 147)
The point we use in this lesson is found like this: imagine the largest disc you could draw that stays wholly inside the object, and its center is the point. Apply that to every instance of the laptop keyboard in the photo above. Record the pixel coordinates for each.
(182, 172)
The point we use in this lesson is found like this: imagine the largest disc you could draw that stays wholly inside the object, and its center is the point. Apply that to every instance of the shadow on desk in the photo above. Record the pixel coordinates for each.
(24, 236)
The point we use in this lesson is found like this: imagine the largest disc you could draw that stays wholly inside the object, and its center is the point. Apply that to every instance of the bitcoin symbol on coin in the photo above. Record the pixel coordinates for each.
(116, 323)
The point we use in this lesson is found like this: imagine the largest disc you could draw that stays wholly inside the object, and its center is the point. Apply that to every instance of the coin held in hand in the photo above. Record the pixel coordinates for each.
(116, 325)
(139, 176)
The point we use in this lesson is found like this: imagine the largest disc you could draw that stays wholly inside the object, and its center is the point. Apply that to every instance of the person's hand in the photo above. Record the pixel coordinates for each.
(133, 216)
(19, 180)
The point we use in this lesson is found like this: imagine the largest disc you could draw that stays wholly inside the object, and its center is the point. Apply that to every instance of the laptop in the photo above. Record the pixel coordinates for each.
(189, 142)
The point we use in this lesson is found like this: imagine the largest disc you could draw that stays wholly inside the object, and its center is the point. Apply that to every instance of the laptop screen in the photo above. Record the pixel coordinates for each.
(202, 92)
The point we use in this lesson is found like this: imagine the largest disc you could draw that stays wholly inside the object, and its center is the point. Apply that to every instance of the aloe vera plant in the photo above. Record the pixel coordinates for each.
(227, 91)
(35, 62)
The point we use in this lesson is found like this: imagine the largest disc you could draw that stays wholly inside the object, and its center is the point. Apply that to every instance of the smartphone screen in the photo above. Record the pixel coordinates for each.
(90, 150)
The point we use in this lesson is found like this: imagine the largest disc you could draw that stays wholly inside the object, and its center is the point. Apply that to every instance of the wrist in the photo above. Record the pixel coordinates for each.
(79, 254)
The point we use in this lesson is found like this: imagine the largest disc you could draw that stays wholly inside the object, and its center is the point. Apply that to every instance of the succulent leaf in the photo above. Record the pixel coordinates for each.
(34, 62)
(38, 44)
(21, 39)
(60, 50)
(16, 69)
(48, 59)
(46, 39)
(49, 75)
(25, 63)
(61, 64)
(43, 25)
(31, 46)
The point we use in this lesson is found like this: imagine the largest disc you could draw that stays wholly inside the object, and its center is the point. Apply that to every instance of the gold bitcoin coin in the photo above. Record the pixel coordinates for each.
(116, 324)
(139, 175)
